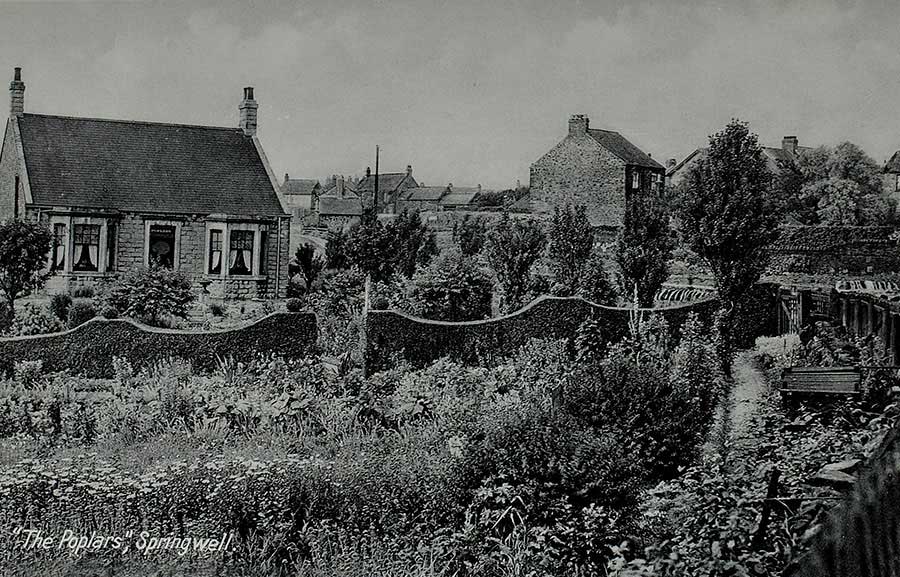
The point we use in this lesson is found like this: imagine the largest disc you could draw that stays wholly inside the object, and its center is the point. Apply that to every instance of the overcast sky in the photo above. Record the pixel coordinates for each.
(467, 91)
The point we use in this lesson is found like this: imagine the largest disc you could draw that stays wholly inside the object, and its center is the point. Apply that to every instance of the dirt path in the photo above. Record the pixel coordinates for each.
(732, 428)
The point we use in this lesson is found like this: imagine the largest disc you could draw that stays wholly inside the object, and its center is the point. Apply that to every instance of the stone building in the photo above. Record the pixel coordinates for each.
(339, 207)
(391, 186)
(597, 168)
(891, 178)
(297, 194)
(437, 198)
(119, 195)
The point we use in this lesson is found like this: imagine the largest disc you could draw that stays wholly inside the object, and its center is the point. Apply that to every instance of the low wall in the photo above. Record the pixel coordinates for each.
(392, 335)
(88, 349)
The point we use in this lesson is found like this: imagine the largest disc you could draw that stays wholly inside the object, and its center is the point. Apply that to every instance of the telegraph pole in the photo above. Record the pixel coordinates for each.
(377, 150)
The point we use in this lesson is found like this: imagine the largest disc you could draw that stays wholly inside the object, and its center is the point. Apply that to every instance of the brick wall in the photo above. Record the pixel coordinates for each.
(580, 171)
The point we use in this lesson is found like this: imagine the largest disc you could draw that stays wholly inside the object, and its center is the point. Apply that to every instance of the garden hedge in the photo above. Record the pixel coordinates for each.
(89, 348)
(392, 335)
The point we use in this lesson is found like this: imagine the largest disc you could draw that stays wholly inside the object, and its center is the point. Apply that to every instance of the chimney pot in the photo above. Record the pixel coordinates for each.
(790, 144)
(368, 171)
(247, 109)
(671, 163)
(409, 170)
(17, 94)
(286, 177)
(578, 125)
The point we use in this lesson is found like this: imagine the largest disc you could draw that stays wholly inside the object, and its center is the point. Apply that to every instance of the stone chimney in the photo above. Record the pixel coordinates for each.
(671, 163)
(578, 125)
(286, 177)
(339, 185)
(17, 94)
(790, 144)
(248, 108)
(479, 188)
(408, 170)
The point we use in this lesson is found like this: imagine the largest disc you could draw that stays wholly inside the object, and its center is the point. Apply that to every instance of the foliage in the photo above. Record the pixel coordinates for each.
(307, 264)
(400, 246)
(217, 309)
(336, 250)
(414, 244)
(34, 320)
(470, 235)
(294, 305)
(571, 239)
(643, 249)
(81, 311)
(841, 186)
(59, 305)
(513, 247)
(594, 284)
(152, 294)
(24, 247)
(727, 218)
(109, 312)
(451, 288)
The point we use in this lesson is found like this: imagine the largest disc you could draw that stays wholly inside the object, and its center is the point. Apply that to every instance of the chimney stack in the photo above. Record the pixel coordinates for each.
(17, 94)
(408, 170)
(790, 144)
(578, 125)
(671, 163)
(247, 109)
(286, 177)
(368, 171)
(340, 186)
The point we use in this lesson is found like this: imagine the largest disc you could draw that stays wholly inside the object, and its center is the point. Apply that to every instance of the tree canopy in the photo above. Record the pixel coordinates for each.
(24, 247)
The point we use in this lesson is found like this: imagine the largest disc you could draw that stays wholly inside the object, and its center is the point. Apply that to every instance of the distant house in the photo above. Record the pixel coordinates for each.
(340, 206)
(297, 194)
(599, 169)
(891, 186)
(778, 160)
(122, 194)
(434, 198)
(391, 186)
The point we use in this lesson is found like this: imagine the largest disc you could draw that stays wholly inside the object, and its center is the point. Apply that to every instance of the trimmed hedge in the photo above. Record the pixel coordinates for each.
(393, 335)
(88, 349)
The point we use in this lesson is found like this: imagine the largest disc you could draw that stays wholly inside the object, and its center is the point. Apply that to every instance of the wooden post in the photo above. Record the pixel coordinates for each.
(759, 537)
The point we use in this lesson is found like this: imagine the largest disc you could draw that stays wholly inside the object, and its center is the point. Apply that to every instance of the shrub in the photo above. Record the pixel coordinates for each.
(153, 295)
(24, 246)
(452, 288)
(83, 292)
(218, 309)
(470, 234)
(33, 320)
(513, 247)
(109, 312)
(294, 305)
(307, 264)
(571, 239)
(59, 305)
(336, 250)
(594, 284)
(80, 312)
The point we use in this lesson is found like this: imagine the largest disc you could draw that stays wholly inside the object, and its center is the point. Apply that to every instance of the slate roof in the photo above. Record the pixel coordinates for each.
(334, 206)
(299, 186)
(145, 166)
(773, 157)
(458, 198)
(621, 147)
(424, 193)
(387, 182)
(893, 165)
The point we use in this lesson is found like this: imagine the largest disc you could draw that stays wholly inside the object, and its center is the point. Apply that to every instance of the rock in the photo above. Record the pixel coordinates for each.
(831, 478)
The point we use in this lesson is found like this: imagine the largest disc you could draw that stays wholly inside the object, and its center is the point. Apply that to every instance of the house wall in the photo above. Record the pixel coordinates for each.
(9, 169)
(580, 171)
(191, 240)
(889, 186)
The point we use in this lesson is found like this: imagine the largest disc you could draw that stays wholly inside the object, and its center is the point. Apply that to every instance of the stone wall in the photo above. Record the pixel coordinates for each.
(580, 171)
(9, 169)
(835, 249)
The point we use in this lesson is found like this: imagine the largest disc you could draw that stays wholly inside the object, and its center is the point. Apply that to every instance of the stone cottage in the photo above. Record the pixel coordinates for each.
(119, 195)
(298, 194)
(597, 168)
(391, 186)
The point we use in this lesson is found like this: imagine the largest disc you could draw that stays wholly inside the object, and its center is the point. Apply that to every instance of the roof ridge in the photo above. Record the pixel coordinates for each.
(123, 121)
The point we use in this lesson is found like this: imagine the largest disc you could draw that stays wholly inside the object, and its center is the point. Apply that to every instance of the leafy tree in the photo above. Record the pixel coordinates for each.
(380, 250)
(512, 248)
(841, 186)
(643, 249)
(571, 239)
(24, 247)
(594, 284)
(728, 220)
(470, 234)
(336, 250)
(451, 288)
(307, 263)
(153, 294)
(414, 243)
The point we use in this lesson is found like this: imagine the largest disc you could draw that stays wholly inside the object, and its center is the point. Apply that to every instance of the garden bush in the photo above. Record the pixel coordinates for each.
(294, 305)
(31, 319)
(452, 288)
(59, 305)
(81, 311)
(153, 295)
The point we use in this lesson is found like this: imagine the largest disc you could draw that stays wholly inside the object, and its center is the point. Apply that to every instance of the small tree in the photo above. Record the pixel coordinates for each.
(336, 250)
(370, 247)
(307, 263)
(571, 239)
(24, 247)
(643, 249)
(451, 288)
(512, 249)
(414, 244)
(594, 284)
(728, 220)
(152, 294)
(470, 234)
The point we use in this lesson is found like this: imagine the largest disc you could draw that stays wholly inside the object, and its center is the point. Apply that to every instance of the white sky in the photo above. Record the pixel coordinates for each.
(467, 91)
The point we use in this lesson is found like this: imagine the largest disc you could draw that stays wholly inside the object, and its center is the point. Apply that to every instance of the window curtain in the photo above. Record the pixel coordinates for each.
(59, 259)
(215, 260)
(93, 253)
(233, 257)
(247, 257)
